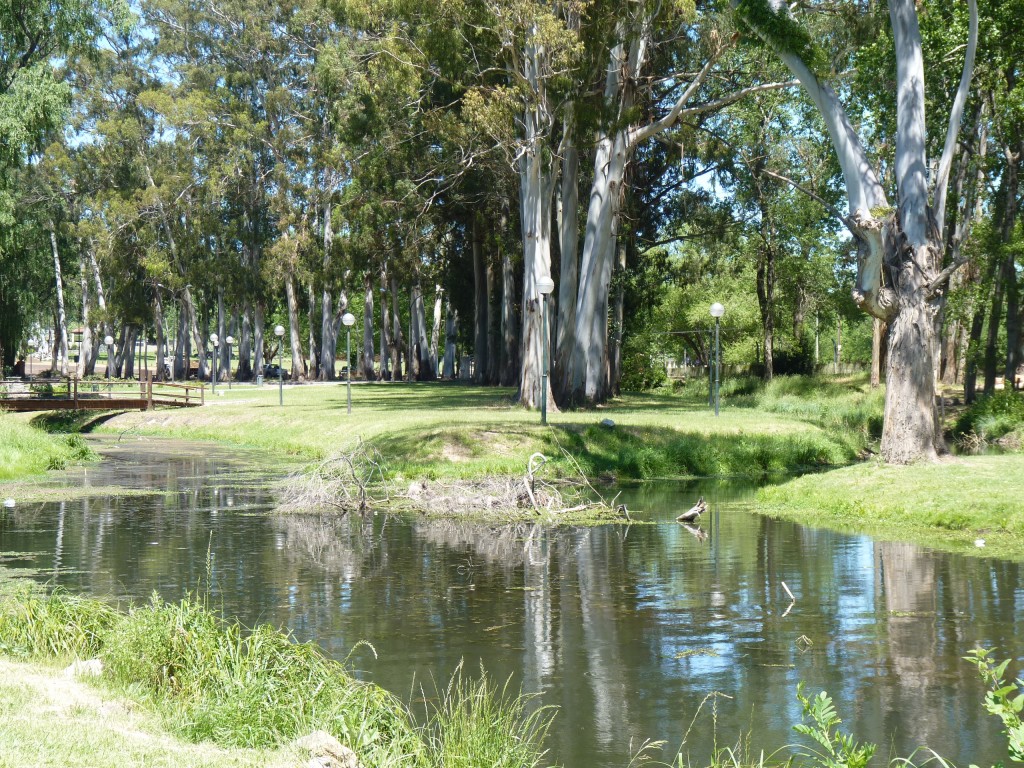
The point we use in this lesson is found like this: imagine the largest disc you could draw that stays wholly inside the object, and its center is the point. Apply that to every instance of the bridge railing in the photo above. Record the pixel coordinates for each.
(145, 393)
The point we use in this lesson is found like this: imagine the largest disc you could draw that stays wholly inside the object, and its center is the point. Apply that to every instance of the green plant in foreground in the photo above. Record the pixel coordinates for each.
(1001, 700)
(839, 750)
(478, 725)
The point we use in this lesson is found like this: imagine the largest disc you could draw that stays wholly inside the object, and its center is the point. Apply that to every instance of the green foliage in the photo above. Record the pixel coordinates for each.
(62, 625)
(477, 724)
(781, 31)
(1003, 698)
(992, 416)
(213, 680)
(838, 749)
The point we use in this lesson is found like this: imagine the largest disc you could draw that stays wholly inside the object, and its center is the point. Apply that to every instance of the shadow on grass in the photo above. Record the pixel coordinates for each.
(638, 453)
(72, 421)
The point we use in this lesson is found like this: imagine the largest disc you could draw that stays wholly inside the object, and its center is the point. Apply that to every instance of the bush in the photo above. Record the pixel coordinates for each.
(993, 416)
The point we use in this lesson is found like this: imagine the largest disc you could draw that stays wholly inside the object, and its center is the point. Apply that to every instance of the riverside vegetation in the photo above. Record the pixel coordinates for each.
(246, 696)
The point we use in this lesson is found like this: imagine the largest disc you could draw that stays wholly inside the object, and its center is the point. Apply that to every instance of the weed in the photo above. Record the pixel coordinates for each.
(838, 750)
(1002, 698)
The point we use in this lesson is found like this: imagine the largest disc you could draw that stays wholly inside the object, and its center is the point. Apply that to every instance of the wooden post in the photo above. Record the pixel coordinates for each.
(70, 380)
(149, 390)
(186, 395)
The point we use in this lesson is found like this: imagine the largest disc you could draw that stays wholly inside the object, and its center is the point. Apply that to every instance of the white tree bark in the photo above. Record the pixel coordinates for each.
(369, 374)
(900, 253)
(61, 331)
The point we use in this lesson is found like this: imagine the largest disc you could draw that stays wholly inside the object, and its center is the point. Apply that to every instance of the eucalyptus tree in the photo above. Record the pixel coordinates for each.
(645, 93)
(900, 275)
(39, 43)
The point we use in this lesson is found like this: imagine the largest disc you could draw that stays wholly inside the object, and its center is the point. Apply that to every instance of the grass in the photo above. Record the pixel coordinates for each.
(25, 451)
(947, 505)
(439, 431)
(209, 680)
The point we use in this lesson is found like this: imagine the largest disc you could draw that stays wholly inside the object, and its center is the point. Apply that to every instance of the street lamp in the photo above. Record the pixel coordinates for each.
(229, 340)
(215, 340)
(348, 320)
(545, 286)
(109, 341)
(717, 310)
(279, 332)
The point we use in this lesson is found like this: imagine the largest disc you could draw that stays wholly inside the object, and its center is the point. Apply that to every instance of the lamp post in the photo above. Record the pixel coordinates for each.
(229, 340)
(109, 341)
(279, 332)
(348, 320)
(717, 310)
(544, 286)
(215, 340)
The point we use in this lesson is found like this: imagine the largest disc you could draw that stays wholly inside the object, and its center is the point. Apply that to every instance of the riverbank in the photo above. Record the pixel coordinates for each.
(450, 433)
(25, 452)
(177, 684)
(967, 504)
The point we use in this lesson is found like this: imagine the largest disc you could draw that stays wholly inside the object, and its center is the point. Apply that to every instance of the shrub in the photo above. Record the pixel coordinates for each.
(992, 416)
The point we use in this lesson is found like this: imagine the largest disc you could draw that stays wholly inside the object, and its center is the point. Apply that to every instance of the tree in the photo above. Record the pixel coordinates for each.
(900, 272)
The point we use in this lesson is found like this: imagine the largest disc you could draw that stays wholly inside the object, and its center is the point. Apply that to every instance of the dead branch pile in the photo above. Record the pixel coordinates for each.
(356, 482)
(347, 482)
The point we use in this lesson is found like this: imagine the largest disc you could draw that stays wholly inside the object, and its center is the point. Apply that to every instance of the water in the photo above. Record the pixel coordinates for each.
(627, 629)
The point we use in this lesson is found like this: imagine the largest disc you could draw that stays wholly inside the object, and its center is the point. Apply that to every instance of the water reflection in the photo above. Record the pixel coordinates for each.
(626, 628)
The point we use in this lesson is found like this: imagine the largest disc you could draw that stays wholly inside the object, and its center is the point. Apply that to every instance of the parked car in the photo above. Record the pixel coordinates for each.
(273, 371)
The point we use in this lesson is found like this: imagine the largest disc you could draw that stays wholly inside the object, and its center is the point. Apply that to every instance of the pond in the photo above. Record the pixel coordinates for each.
(627, 629)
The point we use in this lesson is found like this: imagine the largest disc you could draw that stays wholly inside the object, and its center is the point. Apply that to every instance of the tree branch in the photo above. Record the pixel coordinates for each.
(955, 116)
(821, 201)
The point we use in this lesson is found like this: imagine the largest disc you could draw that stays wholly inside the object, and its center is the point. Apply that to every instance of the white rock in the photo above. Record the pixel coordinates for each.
(89, 668)
(979, 542)
(327, 751)
(607, 423)
(9, 503)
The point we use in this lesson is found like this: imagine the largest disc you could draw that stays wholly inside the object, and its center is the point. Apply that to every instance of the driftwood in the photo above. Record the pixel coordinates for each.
(691, 515)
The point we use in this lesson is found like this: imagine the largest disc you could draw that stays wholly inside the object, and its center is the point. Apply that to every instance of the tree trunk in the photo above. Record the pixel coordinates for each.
(328, 338)
(85, 362)
(245, 371)
(385, 331)
(425, 371)
(294, 332)
(61, 331)
(1009, 225)
(509, 337)
(435, 333)
(450, 331)
(368, 354)
(569, 250)
(877, 336)
(193, 325)
(314, 356)
(161, 337)
(258, 324)
(480, 304)
(398, 340)
(493, 325)
(766, 302)
(535, 196)
(618, 323)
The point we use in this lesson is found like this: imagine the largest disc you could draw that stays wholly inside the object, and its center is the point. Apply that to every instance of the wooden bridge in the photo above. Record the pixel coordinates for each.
(70, 394)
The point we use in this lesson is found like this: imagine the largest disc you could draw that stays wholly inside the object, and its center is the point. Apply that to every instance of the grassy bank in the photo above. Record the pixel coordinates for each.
(207, 681)
(25, 451)
(454, 431)
(948, 505)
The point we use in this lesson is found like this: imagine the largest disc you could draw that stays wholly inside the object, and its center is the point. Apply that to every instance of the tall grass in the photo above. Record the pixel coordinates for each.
(835, 404)
(992, 417)
(26, 451)
(214, 681)
(480, 725)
